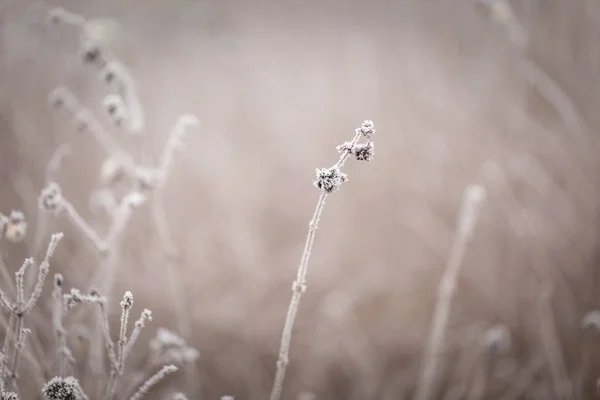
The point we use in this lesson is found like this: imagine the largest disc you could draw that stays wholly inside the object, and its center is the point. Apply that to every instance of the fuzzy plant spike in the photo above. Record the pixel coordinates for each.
(473, 197)
(328, 181)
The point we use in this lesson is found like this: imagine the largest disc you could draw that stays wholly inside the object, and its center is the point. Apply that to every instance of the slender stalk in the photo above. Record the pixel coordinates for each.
(299, 287)
(472, 198)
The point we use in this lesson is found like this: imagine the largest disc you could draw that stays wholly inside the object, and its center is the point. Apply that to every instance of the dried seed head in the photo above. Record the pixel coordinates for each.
(115, 109)
(147, 178)
(58, 97)
(591, 321)
(364, 151)
(9, 396)
(62, 389)
(367, 129)
(15, 228)
(51, 198)
(58, 280)
(91, 54)
(127, 301)
(111, 171)
(346, 147)
(329, 179)
(497, 339)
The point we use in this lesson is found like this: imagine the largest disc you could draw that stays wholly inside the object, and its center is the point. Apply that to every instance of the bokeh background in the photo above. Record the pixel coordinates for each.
(456, 99)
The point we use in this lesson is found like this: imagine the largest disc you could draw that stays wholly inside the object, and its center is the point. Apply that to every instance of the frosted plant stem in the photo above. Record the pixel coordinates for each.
(83, 226)
(472, 198)
(298, 288)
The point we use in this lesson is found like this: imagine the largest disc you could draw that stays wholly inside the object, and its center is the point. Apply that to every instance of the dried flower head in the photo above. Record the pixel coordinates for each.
(115, 109)
(111, 171)
(364, 151)
(9, 396)
(51, 198)
(497, 339)
(329, 179)
(591, 321)
(367, 129)
(147, 178)
(62, 389)
(346, 147)
(15, 226)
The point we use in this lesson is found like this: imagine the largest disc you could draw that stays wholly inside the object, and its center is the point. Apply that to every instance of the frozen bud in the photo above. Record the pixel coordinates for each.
(497, 339)
(15, 227)
(51, 198)
(329, 179)
(134, 199)
(82, 120)
(591, 321)
(91, 53)
(127, 301)
(62, 389)
(115, 108)
(147, 178)
(111, 171)
(364, 151)
(146, 316)
(346, 147)
(367, 129)
(58, 97)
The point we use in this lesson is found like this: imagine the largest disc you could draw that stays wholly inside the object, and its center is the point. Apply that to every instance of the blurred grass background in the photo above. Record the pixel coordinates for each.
(277, 85)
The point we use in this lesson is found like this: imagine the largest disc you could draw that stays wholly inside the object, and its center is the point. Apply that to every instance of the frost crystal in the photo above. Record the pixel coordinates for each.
(51, 198)
(329, 179)
(62, 389)
(345, 147)
(367, 129)
(364, 151)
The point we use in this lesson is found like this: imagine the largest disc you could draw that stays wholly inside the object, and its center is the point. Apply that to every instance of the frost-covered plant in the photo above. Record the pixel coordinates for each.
(328, 181)
(63, 389)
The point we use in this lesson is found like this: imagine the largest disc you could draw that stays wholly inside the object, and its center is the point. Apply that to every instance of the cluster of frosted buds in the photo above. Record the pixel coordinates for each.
(62, 389)
(14, 226)
(330, 179)
(362, 151)
(168, 347)
(591, 321)
(367, 129)
(51, 198)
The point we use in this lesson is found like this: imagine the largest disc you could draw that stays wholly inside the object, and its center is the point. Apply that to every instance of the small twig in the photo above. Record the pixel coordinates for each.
(472, 199)
(154, 379)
